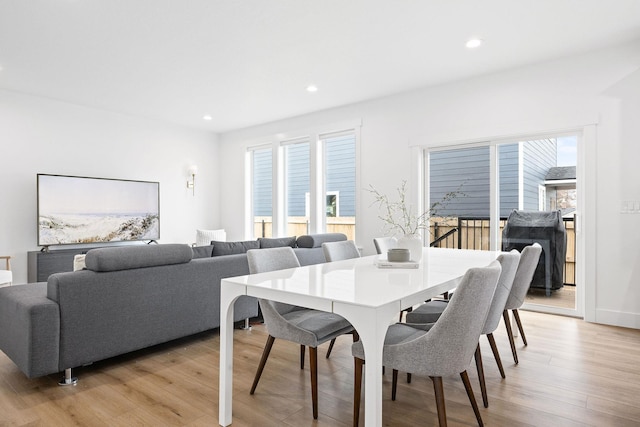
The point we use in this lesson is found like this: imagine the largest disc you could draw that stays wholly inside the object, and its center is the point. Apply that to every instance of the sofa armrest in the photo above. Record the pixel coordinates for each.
(30, 328)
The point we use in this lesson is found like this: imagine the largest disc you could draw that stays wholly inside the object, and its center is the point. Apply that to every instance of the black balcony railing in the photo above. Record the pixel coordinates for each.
(473, 233)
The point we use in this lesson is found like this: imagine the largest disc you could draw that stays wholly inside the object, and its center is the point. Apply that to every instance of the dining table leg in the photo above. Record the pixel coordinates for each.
(371, 325)
(228, 295)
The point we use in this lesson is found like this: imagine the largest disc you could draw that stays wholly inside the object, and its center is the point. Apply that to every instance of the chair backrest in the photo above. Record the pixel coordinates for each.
(338, 251)
(509, 263)
(272, 259)
(383, 244)
(524, 275)
(448, 347)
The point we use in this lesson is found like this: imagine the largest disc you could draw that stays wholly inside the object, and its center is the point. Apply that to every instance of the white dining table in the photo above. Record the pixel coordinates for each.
(368, 296)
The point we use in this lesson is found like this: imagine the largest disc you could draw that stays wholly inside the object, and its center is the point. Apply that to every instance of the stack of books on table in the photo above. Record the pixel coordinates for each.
(384, 263)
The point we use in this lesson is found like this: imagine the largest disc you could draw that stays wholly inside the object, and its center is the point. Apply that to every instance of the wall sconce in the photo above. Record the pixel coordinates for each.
(193, 170)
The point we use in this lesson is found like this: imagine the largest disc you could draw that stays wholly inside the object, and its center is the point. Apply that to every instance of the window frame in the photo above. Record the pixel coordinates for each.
(317, 179)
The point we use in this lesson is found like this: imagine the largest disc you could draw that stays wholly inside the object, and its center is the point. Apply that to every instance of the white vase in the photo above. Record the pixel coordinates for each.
(413, 242)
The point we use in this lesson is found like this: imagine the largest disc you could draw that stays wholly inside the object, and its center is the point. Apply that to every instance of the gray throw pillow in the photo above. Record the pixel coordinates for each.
(277, 242)
(231, 248)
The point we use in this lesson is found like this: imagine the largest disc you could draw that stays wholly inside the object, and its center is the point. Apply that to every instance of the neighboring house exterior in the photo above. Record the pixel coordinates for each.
(262, 183)
(561, 189)
(340, 160)
(529, 179)
(523, 168)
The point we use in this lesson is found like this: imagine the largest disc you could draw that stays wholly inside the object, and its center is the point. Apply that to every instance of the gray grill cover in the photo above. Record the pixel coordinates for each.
(524, 228)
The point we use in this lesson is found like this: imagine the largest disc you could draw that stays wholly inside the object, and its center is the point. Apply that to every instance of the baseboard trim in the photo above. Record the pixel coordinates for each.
(618, 318)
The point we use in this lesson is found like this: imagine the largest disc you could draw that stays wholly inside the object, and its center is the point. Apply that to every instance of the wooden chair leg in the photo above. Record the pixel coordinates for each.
(439, 392)
(302, 356)
(313, 361)
(333, 341)
(394, 384)
(472, 398)
(496, 354)
(480, 368)
(507, 324)
(357, 390)
(263, 361)
(516, 315)
(356, 337)
(408, 377)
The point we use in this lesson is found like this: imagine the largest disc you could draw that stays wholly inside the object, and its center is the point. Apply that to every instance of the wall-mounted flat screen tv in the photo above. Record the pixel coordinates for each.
(78, 210)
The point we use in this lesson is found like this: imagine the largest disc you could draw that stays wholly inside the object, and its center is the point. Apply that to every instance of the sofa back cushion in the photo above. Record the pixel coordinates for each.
(233, 248)
(138, 256)
(316, 240)
(277, 242)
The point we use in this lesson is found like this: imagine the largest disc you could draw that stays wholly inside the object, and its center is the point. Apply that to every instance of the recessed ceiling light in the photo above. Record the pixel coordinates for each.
(312, 88)
(207, 117)
(473, 43)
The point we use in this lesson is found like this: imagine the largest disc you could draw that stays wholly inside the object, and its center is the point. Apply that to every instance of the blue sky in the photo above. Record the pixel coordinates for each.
(567, 150)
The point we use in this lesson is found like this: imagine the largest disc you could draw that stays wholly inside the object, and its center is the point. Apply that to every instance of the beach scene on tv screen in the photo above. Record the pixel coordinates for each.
(74, 210)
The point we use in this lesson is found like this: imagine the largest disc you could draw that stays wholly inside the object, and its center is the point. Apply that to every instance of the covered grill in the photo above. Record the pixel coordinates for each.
(524, 228)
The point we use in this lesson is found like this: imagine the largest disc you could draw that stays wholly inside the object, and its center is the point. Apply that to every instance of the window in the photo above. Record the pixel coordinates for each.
(262, 191)
(536, 174)
(314, 189)
(340, 183)
(296, 156)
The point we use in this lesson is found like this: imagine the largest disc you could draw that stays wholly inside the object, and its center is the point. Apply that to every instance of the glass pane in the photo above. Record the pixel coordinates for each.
(459, 195)
(297, 187)
(340, 184)
(262, 192)
(546, 182)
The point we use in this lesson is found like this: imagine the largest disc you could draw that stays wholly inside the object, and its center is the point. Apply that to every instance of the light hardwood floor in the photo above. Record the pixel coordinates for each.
(572, 373)
(564, 297)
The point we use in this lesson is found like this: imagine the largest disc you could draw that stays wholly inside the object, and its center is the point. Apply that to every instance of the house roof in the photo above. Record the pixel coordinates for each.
(561, 173)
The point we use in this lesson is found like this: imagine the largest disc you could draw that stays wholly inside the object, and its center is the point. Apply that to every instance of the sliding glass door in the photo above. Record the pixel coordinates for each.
(492, 179)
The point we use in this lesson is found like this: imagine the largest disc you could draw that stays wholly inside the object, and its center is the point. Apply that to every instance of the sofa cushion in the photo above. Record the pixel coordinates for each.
(137, 256)
(278, 242)
(232, 248)
(316, 240)
(202, 251)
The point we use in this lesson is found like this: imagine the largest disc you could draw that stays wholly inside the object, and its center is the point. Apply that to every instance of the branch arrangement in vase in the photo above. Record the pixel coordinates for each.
(399, 217)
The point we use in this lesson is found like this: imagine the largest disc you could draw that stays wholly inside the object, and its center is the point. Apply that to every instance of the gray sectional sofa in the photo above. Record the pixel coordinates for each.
(128, 298)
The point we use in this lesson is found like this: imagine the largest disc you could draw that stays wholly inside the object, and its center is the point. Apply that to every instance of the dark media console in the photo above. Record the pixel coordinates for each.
(42, 264)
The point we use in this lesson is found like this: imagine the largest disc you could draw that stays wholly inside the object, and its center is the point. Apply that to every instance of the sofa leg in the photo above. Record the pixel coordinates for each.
(68, 378)
(247, 326)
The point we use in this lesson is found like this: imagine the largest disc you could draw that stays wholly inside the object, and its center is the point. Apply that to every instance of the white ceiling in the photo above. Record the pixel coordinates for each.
(246, 62)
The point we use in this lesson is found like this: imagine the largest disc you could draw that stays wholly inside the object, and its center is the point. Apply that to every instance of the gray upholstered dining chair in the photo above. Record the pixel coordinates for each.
(338, 251)
(509, 263)
(528, 262)
(383, 244)
(443, 349)
(304, 326)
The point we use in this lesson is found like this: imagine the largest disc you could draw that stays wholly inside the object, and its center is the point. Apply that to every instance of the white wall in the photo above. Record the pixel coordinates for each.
(599, 88)
(38, 135)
